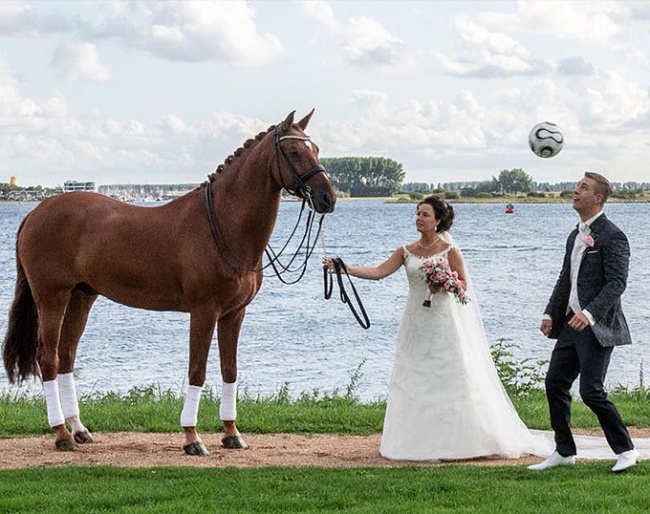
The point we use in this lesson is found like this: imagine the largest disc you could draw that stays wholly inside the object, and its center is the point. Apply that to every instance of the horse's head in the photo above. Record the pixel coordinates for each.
(298, 168)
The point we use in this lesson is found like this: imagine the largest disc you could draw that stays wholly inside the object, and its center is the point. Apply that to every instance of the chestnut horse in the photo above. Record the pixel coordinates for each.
(201, 254)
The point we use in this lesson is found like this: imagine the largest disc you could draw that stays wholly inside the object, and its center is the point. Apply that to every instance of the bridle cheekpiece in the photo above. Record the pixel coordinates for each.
(300, 188)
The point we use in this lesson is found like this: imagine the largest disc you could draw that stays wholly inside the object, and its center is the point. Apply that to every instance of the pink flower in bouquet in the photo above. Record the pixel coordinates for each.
(438, 273)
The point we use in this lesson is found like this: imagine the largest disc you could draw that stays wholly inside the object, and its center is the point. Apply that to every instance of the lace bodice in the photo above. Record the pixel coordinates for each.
(413, 267)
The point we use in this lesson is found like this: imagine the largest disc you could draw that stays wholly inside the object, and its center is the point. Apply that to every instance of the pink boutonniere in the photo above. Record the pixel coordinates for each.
(590, 239)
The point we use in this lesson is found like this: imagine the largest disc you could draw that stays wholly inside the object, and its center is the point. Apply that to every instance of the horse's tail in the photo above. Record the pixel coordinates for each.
(20, 345)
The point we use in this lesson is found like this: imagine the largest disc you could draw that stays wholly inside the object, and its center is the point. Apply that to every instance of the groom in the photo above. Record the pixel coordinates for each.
(584, 314)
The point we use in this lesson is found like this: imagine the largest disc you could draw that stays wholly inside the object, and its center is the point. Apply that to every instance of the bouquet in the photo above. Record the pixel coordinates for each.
(438, 273)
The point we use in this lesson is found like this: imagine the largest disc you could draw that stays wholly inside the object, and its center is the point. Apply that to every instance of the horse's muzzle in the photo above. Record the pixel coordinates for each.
(323, 201)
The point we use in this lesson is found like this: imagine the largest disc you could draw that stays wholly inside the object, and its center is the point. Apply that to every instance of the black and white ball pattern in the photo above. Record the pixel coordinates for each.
(545, 140)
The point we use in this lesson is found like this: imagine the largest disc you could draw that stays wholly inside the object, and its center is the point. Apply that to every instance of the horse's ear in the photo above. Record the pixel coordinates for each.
(286, 124)
(305, 121)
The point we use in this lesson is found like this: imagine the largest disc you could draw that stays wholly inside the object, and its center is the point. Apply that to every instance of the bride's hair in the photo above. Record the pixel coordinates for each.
(444, 212)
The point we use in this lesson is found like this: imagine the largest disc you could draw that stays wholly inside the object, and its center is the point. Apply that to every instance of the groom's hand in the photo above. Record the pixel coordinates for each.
(546, 326)
(579, 322)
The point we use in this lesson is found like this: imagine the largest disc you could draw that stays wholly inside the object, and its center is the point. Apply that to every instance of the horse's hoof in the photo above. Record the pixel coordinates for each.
(234, 442)
(65, 445)
(196, 448)
(83, 437)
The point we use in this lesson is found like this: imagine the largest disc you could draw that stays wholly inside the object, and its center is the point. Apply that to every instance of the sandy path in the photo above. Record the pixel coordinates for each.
(132, 449)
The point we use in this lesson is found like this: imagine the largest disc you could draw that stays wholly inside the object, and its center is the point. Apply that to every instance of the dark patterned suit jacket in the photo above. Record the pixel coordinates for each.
(601, 281)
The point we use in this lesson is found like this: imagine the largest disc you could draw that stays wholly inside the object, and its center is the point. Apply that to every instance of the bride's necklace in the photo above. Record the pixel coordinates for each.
(430, 246)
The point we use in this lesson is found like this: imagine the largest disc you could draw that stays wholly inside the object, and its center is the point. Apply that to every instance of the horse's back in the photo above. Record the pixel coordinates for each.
(112, 247)
(67, 223)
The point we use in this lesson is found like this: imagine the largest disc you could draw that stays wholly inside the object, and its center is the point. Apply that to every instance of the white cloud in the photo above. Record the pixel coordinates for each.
(613, 101)
(590, 21)
(575, 65)
(79, 62)
(363, 41)
(369, 45)
(199, 31)
(20, 19)
(484, 53)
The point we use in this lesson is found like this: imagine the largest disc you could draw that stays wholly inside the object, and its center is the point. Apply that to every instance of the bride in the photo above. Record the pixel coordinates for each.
(445, 400)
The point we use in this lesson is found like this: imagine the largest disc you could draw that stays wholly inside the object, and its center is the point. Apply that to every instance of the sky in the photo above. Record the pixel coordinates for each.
(155, 92)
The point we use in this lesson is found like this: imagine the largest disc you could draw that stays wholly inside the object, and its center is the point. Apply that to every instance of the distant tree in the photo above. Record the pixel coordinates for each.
(365, 176)
(476, 188)
(514, 181)
(418, 187)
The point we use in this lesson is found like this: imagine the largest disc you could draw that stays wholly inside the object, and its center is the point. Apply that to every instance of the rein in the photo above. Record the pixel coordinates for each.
(302, 190)
(328, 285)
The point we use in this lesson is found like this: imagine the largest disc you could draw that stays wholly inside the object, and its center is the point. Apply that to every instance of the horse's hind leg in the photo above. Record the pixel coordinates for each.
(74, 324)
(50, 317)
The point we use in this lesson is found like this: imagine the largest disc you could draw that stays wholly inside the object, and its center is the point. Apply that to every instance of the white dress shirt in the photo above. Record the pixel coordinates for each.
(579, 248)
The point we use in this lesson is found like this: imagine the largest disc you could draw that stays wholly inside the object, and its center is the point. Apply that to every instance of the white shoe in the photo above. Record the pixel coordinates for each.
(626, 460)
(553, 461)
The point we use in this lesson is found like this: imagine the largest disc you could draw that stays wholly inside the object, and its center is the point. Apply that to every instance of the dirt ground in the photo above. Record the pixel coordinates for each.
(130, 449)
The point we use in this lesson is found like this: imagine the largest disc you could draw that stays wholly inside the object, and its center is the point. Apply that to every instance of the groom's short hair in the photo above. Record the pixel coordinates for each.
(603, 187)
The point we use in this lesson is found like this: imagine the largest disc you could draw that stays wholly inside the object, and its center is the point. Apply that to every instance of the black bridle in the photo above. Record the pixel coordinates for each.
(300, 189)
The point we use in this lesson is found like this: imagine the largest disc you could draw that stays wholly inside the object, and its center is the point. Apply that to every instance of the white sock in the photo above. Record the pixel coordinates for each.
(228, 407)
(190, 413)
(53, 404)
(68, 395)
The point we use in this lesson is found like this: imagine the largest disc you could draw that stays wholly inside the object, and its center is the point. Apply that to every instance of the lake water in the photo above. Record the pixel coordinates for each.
(293, 337)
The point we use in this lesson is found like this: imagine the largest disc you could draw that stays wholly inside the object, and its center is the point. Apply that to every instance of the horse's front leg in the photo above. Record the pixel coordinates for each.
(228, 338)
(202, 323)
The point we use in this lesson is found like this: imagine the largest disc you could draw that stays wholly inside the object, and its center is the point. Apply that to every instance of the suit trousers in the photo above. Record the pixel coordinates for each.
(579, 353)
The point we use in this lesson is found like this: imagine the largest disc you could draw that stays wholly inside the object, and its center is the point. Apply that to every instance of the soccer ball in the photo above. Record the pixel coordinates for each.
(545, 140)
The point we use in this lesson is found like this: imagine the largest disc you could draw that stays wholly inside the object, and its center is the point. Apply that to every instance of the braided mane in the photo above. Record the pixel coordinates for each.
(247, 144)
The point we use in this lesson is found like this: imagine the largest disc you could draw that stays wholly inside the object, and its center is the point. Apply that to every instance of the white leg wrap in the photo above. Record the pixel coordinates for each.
(190, 413)
(69, 402)
(68, 395)
(228, 407)
(54, 411)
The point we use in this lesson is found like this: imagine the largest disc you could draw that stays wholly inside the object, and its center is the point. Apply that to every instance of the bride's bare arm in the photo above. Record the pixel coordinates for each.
(457, 264)
(386, 268)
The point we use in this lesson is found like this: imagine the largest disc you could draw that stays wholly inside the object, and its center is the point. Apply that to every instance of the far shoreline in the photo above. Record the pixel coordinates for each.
(502, 200)
(515, 200)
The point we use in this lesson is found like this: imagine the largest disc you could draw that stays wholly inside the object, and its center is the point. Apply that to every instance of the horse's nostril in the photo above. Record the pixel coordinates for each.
(328, 201)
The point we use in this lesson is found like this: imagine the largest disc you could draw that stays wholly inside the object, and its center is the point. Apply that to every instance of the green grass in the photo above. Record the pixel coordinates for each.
(458, 489)
(587, 487)
(151, 409)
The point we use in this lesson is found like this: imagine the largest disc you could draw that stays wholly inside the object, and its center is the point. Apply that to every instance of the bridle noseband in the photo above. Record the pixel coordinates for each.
(301, 188)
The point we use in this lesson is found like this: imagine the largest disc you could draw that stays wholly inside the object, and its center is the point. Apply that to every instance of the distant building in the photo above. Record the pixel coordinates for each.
(73, 185)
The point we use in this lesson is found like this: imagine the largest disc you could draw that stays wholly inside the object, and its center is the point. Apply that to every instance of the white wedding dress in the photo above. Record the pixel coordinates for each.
(446, 400)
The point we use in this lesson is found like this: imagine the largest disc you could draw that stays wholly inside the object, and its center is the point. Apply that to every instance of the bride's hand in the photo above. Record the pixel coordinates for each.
(327, 263)
(434, 289)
